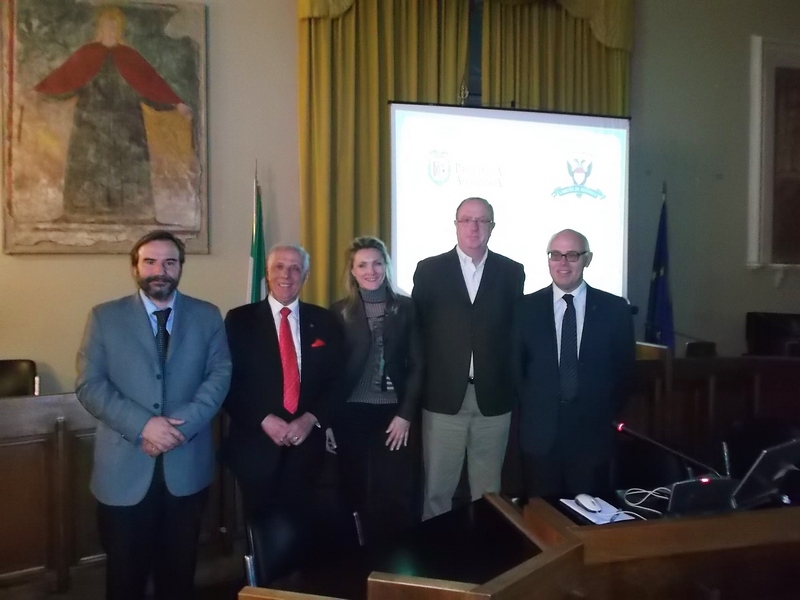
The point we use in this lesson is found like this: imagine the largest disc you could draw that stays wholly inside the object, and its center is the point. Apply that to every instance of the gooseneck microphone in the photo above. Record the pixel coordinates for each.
(621, 427)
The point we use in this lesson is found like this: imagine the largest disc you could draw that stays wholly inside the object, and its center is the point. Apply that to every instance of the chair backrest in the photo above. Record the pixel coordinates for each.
(280, 542)
(18, 378)
(276, 543)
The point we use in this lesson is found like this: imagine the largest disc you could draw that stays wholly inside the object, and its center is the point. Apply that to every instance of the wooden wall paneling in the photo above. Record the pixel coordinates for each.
(60, 472)
(694, 404)
(638, 411)
(778, 394)
(23, 507)
(36, 506)
(723, 396)
(85, 540)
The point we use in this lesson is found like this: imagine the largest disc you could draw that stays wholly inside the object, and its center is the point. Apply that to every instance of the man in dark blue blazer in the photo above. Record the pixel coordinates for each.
(574, 353)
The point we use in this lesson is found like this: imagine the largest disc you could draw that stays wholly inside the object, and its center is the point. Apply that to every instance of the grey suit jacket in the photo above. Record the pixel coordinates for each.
(119, 382)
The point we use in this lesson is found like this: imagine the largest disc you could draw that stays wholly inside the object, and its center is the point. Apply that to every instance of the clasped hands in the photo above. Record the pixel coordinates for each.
(160, 434)
(288, 434)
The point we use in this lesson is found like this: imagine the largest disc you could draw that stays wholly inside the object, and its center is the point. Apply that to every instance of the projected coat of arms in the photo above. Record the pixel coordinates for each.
(104, 125)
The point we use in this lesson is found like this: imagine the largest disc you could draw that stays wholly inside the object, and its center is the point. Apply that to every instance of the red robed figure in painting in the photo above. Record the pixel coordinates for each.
(107, 177)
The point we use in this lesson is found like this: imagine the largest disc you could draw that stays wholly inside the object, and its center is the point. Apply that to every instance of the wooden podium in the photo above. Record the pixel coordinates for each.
(747, 555)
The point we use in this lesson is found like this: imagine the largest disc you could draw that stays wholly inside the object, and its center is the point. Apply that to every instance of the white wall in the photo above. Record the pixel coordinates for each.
(252, 115)
(690, 119)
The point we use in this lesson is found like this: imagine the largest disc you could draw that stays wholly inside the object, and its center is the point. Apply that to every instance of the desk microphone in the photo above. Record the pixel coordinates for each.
(621, 427)
(696, 494)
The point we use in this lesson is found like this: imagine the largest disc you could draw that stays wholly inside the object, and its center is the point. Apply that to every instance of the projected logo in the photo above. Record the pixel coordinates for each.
(438, 167)
(579, 170)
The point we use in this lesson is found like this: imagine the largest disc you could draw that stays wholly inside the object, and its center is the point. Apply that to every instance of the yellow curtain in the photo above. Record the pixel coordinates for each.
(355, 56)
(565, 55)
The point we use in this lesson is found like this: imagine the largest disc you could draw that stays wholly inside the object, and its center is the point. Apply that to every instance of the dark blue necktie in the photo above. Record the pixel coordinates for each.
(568, 365)
(162, 344)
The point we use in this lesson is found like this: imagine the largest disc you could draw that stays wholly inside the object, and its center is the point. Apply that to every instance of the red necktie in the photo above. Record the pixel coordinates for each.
(291, 374)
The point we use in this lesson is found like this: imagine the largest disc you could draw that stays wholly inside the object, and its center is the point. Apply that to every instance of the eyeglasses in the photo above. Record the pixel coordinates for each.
(572, 256)
(471, 221)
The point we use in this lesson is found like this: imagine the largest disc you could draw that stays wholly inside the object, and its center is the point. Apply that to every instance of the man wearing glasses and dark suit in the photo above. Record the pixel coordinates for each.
(574, 354)
(464, 300)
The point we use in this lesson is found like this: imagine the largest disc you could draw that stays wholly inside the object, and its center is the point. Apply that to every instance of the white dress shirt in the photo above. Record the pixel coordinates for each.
(472, 272)
(560, 307)
(294, 325)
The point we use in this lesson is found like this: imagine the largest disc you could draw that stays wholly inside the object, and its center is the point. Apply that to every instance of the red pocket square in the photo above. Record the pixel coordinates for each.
(317, 343)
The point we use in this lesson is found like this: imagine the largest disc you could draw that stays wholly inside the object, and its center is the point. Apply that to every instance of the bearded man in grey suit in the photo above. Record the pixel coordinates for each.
(154, 369)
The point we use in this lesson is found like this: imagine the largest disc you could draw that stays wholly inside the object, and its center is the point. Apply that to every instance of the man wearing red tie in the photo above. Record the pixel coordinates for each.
(287, 360)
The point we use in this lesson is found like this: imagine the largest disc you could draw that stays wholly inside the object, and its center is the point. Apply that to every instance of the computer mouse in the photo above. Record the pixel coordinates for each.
(588, 503)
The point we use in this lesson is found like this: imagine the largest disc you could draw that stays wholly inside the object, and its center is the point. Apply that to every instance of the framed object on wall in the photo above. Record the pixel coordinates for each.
(104, 124)
(774, 188)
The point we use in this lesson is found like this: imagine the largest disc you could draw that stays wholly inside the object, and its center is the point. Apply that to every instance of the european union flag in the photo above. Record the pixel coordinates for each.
(659, 328)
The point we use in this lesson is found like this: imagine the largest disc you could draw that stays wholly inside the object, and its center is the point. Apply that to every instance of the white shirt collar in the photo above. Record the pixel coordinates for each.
(465, 259)
(276, 306)
(150, 307)
(577, 293)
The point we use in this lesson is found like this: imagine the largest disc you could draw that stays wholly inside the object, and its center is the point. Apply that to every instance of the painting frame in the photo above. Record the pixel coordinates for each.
(774, 164)
(104, 124)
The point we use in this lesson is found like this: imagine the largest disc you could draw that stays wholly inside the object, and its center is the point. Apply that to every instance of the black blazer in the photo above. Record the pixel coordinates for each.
(453, 328)
(605, 365)
(402, 347)
(257, 382)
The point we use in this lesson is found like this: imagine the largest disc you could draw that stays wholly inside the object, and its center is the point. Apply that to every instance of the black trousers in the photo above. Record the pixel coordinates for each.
(158, 535)
(281, 507)
(382, 485)
(554, 474)
(564, 471)
(291, 485)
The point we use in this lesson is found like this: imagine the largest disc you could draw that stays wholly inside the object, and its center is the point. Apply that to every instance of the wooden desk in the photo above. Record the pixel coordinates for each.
(739, 555)
(749, 555)
(480, 551)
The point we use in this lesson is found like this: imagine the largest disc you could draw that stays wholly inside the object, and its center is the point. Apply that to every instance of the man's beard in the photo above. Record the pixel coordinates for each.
(158, 292)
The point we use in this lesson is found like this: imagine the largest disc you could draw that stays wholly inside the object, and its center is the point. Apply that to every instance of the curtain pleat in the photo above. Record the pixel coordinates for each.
(536, 55)
(611, 21)
(351, 66)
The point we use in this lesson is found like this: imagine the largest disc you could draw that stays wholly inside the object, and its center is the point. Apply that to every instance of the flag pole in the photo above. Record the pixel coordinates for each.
(659, 326)
(256, 282)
